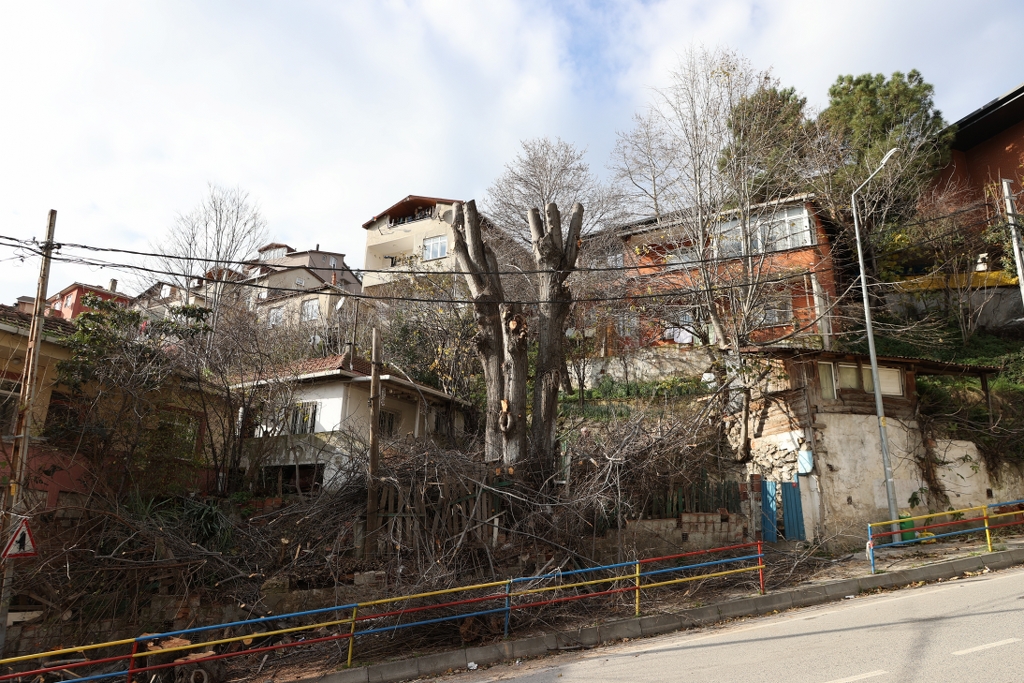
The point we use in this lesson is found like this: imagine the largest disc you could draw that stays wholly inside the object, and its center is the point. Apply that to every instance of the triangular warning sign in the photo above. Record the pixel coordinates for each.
(21, 543)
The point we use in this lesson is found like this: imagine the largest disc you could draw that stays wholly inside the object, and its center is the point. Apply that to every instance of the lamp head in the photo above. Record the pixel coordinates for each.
(888, 155)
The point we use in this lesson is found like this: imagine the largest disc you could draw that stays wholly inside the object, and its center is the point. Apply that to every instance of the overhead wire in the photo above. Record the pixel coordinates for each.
(655, 270)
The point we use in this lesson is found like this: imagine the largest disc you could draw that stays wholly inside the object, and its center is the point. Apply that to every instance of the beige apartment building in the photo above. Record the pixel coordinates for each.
(409, 236)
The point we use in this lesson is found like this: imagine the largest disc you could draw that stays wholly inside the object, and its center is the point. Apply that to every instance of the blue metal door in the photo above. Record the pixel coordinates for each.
(792, 510)
(769, 508)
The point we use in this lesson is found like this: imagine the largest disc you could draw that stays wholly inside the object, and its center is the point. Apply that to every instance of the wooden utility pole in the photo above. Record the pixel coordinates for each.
(371, 471)
(1011, 219)
(14, 502)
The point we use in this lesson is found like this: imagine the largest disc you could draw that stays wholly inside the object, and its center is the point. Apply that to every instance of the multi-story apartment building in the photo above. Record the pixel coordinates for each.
(408, 236)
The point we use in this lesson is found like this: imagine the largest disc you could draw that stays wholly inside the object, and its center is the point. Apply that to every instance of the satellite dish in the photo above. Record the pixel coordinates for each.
(341, 302)
(448, 216)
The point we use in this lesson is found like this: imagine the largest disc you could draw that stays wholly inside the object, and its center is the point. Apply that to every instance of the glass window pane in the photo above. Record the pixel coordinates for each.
(848, 377)
(869, 384)
(828, 380)
(891, 381)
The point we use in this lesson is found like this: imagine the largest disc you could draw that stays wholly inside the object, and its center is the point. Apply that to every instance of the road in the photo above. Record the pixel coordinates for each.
(966, 630)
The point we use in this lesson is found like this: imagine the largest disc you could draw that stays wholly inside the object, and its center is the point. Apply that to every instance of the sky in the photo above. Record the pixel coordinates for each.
(119, 114)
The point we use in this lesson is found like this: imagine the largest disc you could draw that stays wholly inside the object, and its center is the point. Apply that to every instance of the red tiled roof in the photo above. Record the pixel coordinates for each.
(360, 366)
(53, 326)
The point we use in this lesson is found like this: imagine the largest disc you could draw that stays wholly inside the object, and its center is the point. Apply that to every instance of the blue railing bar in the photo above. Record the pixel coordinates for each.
(1010, 502)
(259, 620)
(684, 567)
(928, 538)
(555, 575)
(437, 620)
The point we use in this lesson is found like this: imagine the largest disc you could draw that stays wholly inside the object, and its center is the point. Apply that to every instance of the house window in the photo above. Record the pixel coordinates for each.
(435, 247)
(165, 292)
(890, 379)
(273, 254)
(827, 377)
(303, 417)
(388, 422)
(310, 310)
(785, 229)
(681, 258)
(778, 312)
(68, 299)
(56, 306)
(9, 395)
(615, 260)
(334, 262)
(440, 422)
(276, 316)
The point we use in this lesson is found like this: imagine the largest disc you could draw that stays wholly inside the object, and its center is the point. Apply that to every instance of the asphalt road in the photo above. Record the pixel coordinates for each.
(966, 630)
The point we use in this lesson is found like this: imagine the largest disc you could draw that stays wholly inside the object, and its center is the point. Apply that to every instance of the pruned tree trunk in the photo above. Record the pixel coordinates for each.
(500, 340)
(555, 256)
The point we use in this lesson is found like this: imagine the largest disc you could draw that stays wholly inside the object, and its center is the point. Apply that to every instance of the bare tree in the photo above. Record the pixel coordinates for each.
(642, 166)
(207, 243)
(546, 172)
(722, 138)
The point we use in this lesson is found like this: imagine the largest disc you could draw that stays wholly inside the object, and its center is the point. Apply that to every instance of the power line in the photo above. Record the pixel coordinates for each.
(392, 271)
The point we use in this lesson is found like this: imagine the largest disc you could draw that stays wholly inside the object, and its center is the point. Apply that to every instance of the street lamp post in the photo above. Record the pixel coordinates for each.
(890, 488)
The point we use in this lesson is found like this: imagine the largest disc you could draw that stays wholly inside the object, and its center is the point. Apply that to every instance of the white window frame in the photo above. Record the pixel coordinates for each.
(829, 370)
(310, 312)
(435, 247)
(275, 316)
(165, 291)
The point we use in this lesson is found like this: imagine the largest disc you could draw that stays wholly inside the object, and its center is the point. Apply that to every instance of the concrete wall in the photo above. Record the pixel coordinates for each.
(848, 463)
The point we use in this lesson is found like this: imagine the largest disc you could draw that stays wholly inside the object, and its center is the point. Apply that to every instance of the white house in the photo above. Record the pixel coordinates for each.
(326, 429)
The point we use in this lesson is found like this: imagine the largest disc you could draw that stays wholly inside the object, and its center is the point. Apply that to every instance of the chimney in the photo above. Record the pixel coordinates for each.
(334, 278)
(317, 247)
(113, 286)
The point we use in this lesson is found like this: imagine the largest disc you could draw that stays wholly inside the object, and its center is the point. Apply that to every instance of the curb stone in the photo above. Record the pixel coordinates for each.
(589, 636)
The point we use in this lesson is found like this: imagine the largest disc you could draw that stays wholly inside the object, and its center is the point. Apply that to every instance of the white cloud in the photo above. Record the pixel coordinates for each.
(117, 114)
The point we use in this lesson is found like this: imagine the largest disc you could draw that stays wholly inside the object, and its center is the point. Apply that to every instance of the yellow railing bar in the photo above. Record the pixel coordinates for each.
(352, 636)
(445, 591)
(235, 639)
(702, 576)
(592, 582)
(1007, 514)
(67, 651)
(928, 516)
(988, 532)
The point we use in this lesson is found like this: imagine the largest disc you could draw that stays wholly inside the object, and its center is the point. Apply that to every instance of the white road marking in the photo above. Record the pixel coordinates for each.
(861, 677)
(985, 647)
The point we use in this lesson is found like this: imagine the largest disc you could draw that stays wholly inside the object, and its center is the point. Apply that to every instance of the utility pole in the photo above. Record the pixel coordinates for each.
(1011, 219)
(371, 472)
(883, 432)
(15, 497)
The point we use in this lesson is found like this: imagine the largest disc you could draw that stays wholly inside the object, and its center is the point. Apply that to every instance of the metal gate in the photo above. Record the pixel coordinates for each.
(769, 509)
(792, 511)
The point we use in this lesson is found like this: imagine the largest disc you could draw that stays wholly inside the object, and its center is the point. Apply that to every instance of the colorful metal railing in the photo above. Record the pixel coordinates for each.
(981, 522)
(636, 576)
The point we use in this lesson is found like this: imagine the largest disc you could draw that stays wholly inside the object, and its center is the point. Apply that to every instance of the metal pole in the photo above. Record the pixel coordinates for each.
(24, 427)
(1011, 220)
(890, 488)
(371, 473)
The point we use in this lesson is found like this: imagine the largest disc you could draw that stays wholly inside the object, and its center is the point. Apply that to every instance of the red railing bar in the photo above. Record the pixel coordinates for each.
(698, 552)
(931, 526)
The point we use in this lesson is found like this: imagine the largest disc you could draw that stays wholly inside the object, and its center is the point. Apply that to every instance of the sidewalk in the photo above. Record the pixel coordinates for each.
(897, 568)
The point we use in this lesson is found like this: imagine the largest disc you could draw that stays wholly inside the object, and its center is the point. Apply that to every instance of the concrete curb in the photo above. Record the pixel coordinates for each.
(589, 636)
